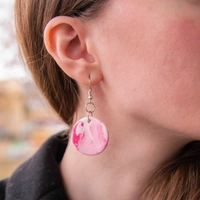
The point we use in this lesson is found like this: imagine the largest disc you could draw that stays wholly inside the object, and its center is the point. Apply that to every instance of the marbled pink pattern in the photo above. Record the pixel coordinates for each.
(90, 138)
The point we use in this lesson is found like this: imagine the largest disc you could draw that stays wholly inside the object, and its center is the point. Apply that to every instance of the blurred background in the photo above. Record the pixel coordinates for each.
(26, 120)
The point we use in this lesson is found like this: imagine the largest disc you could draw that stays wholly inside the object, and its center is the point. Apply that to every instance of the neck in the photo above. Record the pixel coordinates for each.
(122, 171)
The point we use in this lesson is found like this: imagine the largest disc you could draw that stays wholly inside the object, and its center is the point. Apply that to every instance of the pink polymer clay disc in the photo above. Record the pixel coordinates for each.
(90, 137)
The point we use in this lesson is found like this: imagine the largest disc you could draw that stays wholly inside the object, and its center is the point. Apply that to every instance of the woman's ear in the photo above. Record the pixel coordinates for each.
(65, 39)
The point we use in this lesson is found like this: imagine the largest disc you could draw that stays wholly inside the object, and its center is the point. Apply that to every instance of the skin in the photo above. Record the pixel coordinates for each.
(143, 58)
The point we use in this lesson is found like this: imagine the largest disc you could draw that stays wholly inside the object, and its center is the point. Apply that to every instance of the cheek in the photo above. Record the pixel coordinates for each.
(173, 90)
(179, 58)
(160, 73)
(186, 38)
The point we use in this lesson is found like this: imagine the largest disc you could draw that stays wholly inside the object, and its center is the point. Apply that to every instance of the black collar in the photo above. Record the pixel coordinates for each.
(39, 178)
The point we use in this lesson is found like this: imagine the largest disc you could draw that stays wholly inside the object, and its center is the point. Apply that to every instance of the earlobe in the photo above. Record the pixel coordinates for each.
(64, 38)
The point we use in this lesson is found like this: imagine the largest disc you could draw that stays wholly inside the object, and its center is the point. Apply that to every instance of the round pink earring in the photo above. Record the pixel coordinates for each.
(89, 135)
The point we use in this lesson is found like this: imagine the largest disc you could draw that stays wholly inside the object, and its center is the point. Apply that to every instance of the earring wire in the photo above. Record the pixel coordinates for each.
(89, 106)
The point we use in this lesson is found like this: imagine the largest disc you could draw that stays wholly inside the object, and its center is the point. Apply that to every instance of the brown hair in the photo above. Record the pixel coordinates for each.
(178, 180)
(31, 18)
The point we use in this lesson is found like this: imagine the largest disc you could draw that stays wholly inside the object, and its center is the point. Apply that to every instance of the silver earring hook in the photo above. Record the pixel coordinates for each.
(90, 107)
(90, 91)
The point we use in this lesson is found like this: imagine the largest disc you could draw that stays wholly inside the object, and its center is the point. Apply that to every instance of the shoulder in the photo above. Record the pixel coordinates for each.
(39, 177)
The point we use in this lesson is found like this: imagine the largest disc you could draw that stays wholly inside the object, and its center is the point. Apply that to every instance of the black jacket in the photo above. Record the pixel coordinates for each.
(38, 178)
